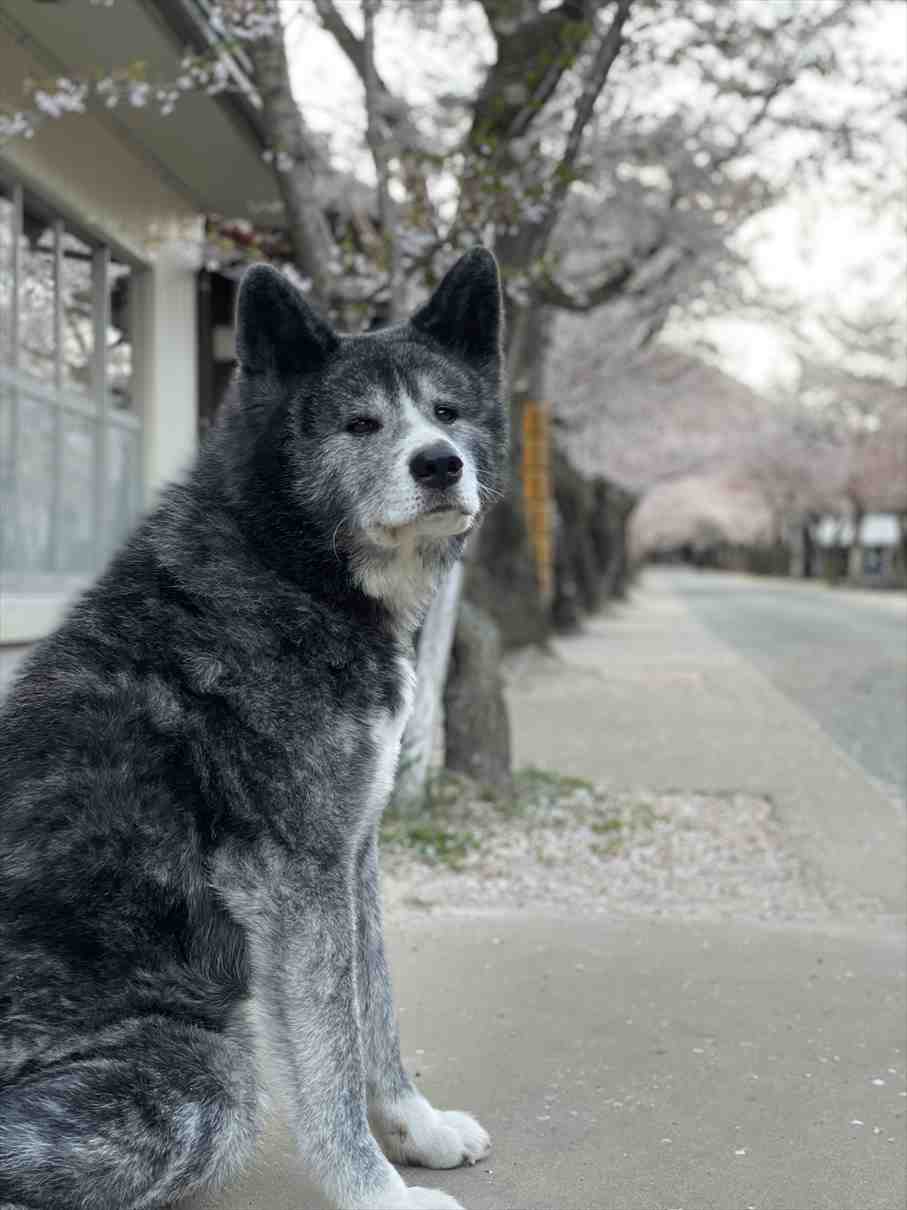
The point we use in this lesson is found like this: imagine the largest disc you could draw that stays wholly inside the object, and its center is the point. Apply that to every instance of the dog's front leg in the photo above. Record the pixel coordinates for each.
(409, 1129)
(304, 972)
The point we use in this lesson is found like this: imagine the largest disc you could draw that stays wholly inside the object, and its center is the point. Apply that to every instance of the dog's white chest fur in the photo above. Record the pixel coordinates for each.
(387, 734)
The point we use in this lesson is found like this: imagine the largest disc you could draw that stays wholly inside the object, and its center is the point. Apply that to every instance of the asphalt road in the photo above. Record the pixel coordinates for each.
(840, 655)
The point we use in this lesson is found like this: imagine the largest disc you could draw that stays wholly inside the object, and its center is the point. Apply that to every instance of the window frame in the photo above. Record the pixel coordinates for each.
(92, 405)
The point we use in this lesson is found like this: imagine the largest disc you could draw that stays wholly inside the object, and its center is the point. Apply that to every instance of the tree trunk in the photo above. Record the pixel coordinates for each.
(503, 578)
(576, 578)
(855, 551)
(566, 608)
(808, 568)
(435, 640)
(600, 531)
(476, 721)
(620, 506)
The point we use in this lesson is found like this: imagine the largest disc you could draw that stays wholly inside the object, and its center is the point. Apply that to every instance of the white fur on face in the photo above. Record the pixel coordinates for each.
(402, 529)
(405, 503)
(400, 575)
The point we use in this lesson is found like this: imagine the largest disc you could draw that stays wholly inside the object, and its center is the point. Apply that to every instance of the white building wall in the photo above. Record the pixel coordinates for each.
(167, 369)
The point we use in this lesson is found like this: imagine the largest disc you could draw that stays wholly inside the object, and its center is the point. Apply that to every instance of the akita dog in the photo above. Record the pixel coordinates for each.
(193, 767)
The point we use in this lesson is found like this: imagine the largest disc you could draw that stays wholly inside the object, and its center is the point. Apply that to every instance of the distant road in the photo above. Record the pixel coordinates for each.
(841, 655)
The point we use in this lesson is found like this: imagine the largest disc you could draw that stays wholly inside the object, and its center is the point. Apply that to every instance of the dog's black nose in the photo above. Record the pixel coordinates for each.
(437, 465)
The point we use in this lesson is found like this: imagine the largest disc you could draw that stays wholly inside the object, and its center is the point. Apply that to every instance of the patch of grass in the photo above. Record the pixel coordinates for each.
(446, 790)
(434, 833)
(540, 788)
(544, 859)
(602, 826)
(444, 793)
(533, 780)
(430, 840)
(441, 830)
(642, 815)
(487, 794)
(610, 849)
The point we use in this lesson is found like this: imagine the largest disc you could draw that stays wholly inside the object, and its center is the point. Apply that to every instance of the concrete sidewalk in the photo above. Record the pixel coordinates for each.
(647, 697)
(640, 1064)
(649, 1066)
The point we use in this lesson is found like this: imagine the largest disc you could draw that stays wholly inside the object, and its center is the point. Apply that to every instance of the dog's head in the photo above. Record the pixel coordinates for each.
(380, 451)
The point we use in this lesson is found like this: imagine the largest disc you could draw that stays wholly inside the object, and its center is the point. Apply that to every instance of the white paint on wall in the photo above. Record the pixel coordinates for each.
(167, 365)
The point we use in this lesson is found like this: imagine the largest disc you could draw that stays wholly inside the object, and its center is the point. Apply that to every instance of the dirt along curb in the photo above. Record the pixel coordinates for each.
(565, 844)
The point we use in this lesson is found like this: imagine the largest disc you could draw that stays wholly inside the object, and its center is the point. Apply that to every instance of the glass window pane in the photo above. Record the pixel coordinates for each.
(78, 333)
(49, 451)
(7, 479)
(37, 345)
(31, 550)
(119, 338)
(124, 477)
(77, 546)
(6, 276)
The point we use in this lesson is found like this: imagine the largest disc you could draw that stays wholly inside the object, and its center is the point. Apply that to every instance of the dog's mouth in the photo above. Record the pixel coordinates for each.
(442, 521)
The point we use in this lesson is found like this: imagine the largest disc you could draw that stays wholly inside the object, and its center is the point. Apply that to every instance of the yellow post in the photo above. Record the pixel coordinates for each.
(537, 490)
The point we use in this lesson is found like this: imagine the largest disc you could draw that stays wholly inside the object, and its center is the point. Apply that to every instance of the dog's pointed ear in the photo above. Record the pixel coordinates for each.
(277, 331)
(466, 313)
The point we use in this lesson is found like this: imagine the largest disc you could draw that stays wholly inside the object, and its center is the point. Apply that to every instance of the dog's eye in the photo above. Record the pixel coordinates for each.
(446, 415)
(363, 424)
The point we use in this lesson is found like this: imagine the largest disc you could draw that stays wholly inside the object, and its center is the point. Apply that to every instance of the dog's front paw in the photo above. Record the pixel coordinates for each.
(411, 1131)
(411, 1198)
(430, 1199)
(455, 1132)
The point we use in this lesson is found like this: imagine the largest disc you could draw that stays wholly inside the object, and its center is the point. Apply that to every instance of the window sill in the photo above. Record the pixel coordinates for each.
(25, 617)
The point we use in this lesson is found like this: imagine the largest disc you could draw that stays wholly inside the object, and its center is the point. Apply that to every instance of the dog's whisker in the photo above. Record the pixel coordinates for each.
(491, 494)
(337, 529)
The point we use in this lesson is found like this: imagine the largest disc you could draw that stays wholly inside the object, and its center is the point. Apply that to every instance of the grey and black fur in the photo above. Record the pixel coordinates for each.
(193, 767)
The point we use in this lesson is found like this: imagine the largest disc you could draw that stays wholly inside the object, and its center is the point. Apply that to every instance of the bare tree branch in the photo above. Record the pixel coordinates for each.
(375, 133)
(532, 58)
(384, 104)
(551, 293)
(607, 52)
(352, 47)
(393, 109)
(298, 164)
